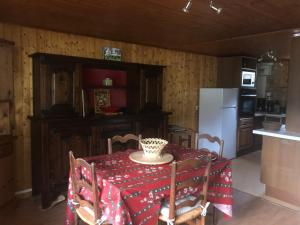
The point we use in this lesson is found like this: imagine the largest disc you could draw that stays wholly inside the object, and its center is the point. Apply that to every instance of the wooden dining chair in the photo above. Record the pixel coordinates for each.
(88, 211)
(123, 140)
(220, 146)
(211, 139)
(188, 209)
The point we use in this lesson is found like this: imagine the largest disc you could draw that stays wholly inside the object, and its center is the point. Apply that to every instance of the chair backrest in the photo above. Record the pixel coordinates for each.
(199, 182)
(188, 141)
(123, 139)
(79, 182)
(181, 136)
(211, 139)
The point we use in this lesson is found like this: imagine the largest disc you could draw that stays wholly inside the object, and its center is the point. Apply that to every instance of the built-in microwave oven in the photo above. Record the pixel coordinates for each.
(248, 79)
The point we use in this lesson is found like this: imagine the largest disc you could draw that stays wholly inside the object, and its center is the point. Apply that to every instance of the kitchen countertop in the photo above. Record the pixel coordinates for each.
(279, 134)
(275, 115)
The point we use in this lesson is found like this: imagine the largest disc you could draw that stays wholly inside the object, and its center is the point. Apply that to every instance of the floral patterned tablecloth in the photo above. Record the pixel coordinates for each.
(133, 193)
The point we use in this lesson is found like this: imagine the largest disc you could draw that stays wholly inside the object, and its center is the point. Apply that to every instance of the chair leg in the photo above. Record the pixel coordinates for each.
(76, 219)
(202, 220)
(214, 216)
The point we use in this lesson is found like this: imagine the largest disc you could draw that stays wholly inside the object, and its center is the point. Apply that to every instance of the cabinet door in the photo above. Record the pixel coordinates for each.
(151, 89)
(79, 141)
(249, 63)
(257, 139)
(55, 160)
(56, 88)
(6, 169)
(229, 72)
(245, 137)
(110, 130)
(155, 127)
(6, 73)
(6, 90)
(150, 130)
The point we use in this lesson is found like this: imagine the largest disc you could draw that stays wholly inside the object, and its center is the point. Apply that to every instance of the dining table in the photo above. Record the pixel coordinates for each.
(133, 192)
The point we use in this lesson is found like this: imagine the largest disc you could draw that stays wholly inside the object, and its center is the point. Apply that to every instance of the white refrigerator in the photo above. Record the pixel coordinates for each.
(218, 110)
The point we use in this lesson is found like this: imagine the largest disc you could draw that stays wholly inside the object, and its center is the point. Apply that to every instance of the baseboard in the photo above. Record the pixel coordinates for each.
(246, 151)
(282, 203)
(24, 193)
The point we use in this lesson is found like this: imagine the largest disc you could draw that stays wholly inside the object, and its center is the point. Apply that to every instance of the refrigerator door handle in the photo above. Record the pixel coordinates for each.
(229, 107)
(248, 95)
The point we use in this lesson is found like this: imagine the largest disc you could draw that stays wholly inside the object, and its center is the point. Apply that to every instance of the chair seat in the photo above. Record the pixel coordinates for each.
(182, 214)
(87, 215)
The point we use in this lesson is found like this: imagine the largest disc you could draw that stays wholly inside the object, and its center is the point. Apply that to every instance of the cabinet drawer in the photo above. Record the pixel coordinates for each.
(246, 122)
(116, 127)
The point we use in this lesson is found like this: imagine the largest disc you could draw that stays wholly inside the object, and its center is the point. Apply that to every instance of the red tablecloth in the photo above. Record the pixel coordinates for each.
(133, 192)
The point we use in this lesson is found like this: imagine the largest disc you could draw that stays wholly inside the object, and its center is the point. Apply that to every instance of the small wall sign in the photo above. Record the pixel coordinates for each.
(110, 53)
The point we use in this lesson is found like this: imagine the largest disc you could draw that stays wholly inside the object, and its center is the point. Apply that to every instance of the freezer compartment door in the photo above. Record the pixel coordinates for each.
(230, 97)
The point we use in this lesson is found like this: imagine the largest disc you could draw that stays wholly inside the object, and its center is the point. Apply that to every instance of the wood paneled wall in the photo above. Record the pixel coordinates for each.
(184, 75)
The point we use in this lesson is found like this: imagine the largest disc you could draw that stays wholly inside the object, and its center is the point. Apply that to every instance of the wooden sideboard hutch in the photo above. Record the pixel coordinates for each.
(64, 115)
(7, 122)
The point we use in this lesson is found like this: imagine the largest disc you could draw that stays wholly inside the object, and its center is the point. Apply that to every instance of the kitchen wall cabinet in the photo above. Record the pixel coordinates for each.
(59, 124)
(230, 68)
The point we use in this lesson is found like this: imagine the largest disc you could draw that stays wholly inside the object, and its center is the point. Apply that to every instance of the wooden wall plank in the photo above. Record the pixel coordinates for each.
(185, 73)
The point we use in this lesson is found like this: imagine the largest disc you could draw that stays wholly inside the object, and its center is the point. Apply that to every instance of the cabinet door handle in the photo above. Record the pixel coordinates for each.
(147, 87)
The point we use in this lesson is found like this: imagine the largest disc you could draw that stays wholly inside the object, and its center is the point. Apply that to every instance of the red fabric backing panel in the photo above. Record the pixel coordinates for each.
(93, 78)
(118, 98)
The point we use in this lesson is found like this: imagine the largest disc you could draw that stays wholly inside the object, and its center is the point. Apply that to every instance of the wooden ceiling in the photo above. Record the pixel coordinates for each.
(162, 23)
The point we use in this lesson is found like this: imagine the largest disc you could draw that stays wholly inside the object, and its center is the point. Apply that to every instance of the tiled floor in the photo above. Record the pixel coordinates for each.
(248, 210)
(246, 174)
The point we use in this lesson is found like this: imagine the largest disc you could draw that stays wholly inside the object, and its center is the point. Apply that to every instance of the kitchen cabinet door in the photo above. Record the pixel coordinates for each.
(245, 137)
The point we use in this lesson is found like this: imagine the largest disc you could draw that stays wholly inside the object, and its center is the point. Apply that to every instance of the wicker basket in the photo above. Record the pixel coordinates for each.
(271, 125)
(152, 147)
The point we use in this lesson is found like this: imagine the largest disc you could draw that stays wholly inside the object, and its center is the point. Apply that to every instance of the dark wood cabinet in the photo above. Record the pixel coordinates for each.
(59, 124)
(7, 181)
(7, 186)
(230, 70)
(257, 139)
(151, 86)
(245, 135)
(55, 88)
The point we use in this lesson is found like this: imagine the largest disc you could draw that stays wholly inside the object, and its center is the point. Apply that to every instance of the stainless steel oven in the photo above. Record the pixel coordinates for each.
(247, 102)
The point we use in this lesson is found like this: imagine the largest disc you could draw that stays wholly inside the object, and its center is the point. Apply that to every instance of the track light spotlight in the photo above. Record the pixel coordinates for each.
(217, 9)
(187, 7)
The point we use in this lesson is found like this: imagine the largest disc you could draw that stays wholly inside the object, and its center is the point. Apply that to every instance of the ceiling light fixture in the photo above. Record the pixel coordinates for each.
(187, 7)
(296, 34)
(218, 10)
